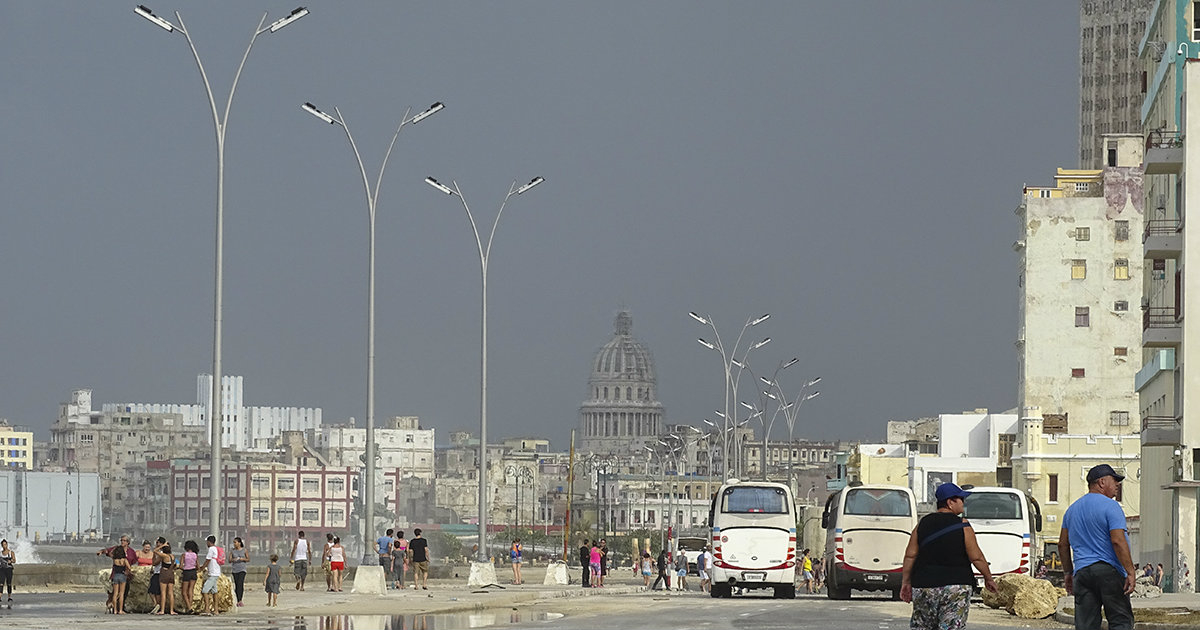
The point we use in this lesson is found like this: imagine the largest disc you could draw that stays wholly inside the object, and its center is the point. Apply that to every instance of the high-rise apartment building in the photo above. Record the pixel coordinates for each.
(1111, 78)
(1080, 330)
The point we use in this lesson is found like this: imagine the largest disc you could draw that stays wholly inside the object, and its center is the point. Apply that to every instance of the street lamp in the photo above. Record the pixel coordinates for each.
(791, 410)
(728, 361)
(484, 253)
(215, 414)
(764, 398)
(372, 200)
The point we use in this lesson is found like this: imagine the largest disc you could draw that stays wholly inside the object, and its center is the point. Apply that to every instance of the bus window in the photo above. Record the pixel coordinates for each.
(993, 505)
(877, 502)
(752, 500)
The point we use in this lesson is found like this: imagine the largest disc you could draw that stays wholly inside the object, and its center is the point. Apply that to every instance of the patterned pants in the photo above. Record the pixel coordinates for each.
(941, 608)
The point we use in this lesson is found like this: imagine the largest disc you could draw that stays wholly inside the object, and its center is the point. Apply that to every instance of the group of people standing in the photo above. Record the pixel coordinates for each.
(397, 554)
(164, 562)
(593, 555)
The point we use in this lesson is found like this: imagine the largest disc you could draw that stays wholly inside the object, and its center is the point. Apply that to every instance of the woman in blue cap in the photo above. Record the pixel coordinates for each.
(937, 575)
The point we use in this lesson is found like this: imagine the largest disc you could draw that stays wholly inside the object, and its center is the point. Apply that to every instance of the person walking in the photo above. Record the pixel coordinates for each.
(325, 562)
(299, 560)
(418, 555)
(187, 579)
(703, 566)
(383, 550)
(8, 558)
(1093, 544)
(238, 559)
(681, 569)
(806, 568)
(208, 592)
(594, 564)
(585, 560)
(937, 575)
(647, 569)
(514, 556)
(272, 580)
(663, 576)
(399, 558)
(337, 562)
(166, 579)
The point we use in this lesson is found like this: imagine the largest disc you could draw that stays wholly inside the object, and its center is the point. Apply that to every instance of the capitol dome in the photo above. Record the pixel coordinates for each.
(622, 412)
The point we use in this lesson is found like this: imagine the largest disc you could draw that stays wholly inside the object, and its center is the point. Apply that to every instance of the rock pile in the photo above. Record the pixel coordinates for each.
(1024, 596)
(138, 600)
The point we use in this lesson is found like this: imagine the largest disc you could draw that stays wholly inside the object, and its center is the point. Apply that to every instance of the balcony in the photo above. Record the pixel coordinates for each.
(1162, 238)
(1161, 431)
(1164, 152)
(1160, 327)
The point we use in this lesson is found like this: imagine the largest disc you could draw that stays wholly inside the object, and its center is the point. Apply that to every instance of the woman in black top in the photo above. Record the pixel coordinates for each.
(937, 565)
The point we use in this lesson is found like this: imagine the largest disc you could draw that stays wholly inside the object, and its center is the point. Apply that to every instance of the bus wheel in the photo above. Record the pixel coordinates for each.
(785, 592)
(721, 590)
(835, 591)
(896, 595)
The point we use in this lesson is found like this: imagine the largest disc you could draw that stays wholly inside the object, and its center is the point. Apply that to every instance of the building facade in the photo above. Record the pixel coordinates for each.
(1080, 330)
(401, 443)
(1111, 79)
(622, 413)
(16, 447)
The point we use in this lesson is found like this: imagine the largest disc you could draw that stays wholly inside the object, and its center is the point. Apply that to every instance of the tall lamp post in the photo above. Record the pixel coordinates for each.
(372, 201)
(728, 362)
(791, 410)
(484, 252)
(220, 122)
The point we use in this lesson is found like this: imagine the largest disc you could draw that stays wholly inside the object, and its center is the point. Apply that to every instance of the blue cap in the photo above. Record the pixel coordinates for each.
(1102, 471)
(950, 491)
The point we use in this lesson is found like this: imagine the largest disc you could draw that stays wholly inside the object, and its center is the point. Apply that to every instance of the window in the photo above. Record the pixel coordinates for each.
(1120, 351)
(1118, 418)
(335, 515)
(1078, 269)
(1044, 193)
(260, 483)
(1121, 306)
(260, 514)
(336, 485)
(1196, 20)
(310, 484)
(1052, 497)
(1083, 234)
(180, 484)
(992, 505)
(877, 502)
(1122, 230)
(285, 483)
(180, 514)
(1081, 316)
(193, 513)
(284, 516)
(1121, 269)
(1082, 187)
(1077, 372)
(310, 515)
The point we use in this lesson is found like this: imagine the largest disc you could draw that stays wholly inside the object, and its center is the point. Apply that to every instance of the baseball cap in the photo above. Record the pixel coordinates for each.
(950, 491)
(1102, 471)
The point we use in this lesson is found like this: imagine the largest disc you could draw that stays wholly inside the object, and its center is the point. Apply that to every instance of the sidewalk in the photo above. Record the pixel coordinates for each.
(1171, 611)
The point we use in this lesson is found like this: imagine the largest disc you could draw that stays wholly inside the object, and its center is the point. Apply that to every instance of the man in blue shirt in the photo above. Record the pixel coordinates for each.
(1096, 561)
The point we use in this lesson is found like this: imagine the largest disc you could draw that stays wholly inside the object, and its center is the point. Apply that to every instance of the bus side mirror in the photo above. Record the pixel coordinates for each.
(1037, 522)
(824, 520)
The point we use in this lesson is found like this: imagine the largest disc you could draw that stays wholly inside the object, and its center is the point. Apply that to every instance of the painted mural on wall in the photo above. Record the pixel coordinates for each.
(1122, 188)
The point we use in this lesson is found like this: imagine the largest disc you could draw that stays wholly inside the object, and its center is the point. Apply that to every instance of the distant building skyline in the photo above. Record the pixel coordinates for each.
(1112, 79)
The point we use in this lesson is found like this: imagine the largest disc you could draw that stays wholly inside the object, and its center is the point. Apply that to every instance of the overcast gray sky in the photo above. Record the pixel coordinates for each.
(849, 168)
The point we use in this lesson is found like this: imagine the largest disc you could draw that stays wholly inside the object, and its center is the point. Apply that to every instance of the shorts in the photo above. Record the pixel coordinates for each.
(326, 567)
(189, 575)
(154, 589)
(337, 566)
(808, 575)
(647, 573)
(703, 574)
(681, 572)
(300, 569)
(119, 578)
(516, 560)
(210, 585)
(421, 568)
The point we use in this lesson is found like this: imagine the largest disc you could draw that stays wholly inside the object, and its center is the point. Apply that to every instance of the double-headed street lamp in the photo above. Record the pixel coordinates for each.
(215, 414)
(484, 252)
(372, 200)
(790, 409)
(728, 361)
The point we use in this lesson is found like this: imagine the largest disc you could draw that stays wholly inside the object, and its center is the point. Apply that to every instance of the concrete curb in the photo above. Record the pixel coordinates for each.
(1063, 617)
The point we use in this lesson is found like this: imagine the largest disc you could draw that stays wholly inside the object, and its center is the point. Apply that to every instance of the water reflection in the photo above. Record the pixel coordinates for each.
(440, 621)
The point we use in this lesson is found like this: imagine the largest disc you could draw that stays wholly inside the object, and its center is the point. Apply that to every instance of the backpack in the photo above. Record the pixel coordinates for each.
(221, 556)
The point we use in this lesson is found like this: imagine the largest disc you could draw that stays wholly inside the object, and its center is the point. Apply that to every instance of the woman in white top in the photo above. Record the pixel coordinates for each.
(337, 562)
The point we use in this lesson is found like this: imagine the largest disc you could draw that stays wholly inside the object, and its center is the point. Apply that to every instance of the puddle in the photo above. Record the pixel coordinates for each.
(440, 621)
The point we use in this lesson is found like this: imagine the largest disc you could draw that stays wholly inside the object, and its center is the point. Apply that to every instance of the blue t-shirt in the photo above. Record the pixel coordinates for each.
(1088, 522)
(384, 542)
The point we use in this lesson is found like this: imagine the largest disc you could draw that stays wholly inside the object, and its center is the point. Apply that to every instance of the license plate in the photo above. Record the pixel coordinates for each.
(756, 576)
(875, 577)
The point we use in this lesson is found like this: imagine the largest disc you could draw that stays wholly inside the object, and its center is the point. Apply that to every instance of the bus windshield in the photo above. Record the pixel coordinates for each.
(1001, 505)
(877, 502)
(754, 500)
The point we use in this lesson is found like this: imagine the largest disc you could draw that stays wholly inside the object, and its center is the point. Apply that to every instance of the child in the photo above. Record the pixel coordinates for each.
(271, 583)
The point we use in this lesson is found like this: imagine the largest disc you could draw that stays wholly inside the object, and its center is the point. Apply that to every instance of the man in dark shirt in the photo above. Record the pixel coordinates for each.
(418, 555)
(585, 559)
(664, 563)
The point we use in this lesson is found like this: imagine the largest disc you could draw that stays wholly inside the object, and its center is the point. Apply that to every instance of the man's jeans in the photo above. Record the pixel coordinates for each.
(1096, 585)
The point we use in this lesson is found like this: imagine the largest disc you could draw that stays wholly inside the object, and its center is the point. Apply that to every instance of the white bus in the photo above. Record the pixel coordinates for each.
(1006, 523)
(867, 530)
(753, 538)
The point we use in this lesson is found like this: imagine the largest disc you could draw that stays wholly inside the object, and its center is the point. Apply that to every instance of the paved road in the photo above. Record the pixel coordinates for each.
(638, 610)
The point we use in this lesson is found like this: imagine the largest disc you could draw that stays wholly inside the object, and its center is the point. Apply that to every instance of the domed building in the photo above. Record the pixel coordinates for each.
(622, 413)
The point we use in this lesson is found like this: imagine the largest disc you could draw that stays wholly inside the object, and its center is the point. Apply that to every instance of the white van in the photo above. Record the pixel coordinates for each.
(867, 530)
(753, 538)
(1006, 523)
